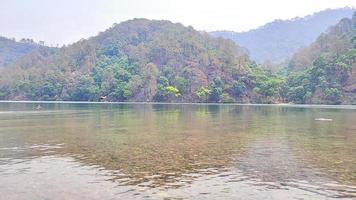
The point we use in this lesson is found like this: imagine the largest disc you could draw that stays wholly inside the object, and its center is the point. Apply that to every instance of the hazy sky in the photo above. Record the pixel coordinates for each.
(66, 21)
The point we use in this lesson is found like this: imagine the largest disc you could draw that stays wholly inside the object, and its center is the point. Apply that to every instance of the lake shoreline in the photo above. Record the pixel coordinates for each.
(349, 106)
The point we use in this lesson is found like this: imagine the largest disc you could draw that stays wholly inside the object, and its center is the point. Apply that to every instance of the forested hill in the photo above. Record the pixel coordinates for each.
(278, 40)
(10, 50)
(325, 71)
(140, 60)
(150, 60)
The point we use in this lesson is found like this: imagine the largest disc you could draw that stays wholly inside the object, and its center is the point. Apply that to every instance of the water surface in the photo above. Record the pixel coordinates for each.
(171, 151)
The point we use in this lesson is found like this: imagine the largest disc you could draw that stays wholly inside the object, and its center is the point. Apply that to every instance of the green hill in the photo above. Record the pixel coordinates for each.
(150, 60)
(140, 60)
(325, 71)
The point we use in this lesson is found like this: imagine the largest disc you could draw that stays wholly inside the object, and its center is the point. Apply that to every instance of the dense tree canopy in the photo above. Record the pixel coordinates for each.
(150, 60)
(324, 72)
(137, 60)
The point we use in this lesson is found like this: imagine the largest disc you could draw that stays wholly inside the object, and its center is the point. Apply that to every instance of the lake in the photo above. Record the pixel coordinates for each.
(176, 151)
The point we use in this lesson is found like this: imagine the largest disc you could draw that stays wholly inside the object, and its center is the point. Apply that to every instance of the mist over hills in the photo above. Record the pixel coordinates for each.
(278, 40)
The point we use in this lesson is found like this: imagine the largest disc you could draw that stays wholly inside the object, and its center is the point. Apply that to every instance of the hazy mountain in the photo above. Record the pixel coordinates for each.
(10, 50)
(325, 71)
(279, 39)
(139, 60)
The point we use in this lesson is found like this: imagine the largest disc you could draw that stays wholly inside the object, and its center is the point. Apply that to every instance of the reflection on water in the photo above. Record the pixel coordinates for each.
(157, 151)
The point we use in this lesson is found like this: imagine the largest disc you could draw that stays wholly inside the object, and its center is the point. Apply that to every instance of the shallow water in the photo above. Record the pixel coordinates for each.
(172, 151)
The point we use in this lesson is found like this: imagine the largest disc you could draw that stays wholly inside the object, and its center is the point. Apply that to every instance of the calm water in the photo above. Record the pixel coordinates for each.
(145, 151)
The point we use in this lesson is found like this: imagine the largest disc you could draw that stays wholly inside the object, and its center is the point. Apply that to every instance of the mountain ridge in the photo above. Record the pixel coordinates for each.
(276, 41)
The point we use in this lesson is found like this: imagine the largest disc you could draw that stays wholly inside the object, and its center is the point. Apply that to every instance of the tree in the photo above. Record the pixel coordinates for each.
(216, 90)
(149, 75)
(165, 91)
(202, 93)
(181, 83)
(238, 88)
(333, 95)
(161, 93)
(84, 90)
(173, 91)
(122, 91)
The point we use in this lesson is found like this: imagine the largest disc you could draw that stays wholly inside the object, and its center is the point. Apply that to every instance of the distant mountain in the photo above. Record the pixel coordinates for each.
(10, 50)
(140, 60)
(325, 71)
(278, 40)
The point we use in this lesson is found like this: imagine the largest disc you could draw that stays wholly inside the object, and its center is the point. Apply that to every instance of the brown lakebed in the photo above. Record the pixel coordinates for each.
(173, 151)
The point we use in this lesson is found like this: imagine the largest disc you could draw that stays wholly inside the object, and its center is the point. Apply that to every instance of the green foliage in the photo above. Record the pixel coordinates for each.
(333, 95)
(143, 60)
(325, 68)
(238, 88)
(202, 93)
(298, 94)
(3, 95)
(266, 83)
(323, 80)
(163, 81)
(122, 91)
(215, 90)
(173, 91)
(137, 60)
(162, 93)
(84, 90)
(165, 91)
(181, 83)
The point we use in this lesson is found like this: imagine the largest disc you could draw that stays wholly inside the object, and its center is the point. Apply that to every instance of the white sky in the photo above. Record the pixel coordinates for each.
(66, 21)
